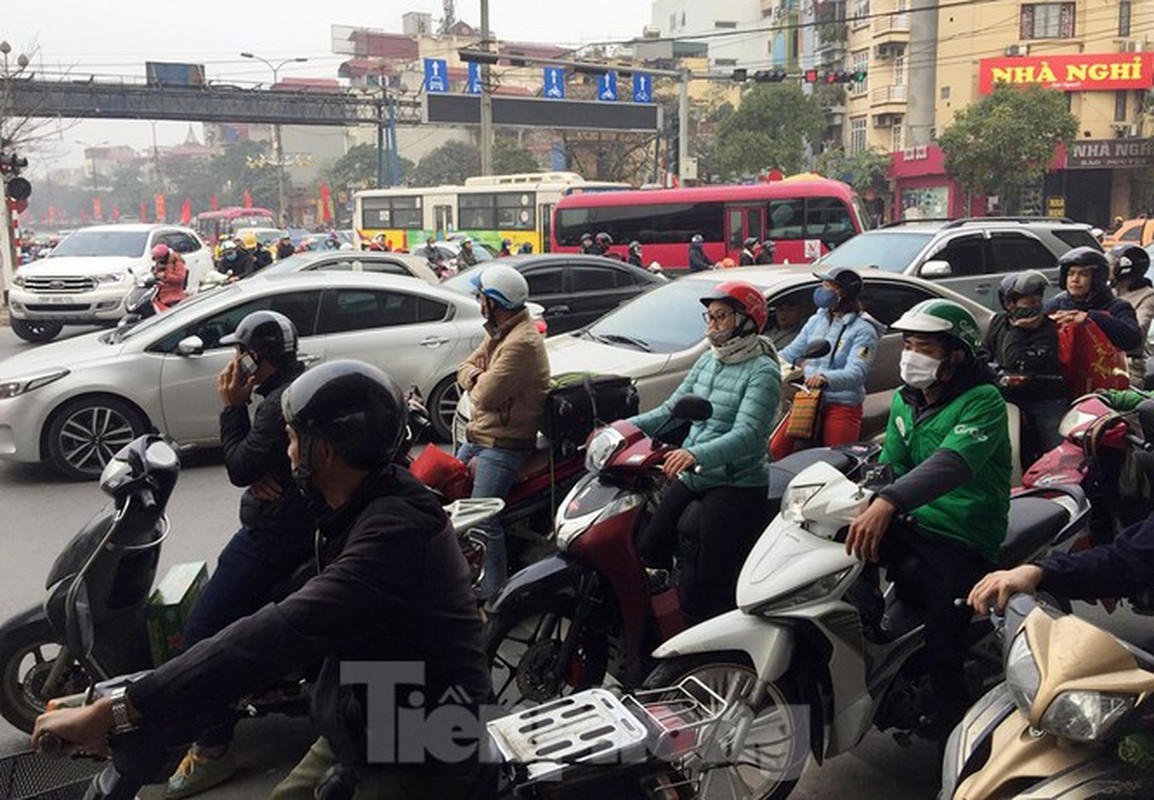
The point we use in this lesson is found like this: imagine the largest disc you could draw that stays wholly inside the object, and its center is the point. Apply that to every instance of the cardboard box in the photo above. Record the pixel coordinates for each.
(169, 606)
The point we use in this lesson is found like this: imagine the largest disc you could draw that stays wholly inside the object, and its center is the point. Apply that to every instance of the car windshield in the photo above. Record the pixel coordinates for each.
(664, 320)
(461, 282)
(890, 251)
(184, 309)
(127, 244)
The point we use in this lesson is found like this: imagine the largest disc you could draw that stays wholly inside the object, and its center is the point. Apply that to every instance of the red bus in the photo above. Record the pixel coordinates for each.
(805, 216)
(212, 225)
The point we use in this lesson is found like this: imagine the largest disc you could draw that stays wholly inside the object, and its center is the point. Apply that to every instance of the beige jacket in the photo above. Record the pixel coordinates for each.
(507, 378)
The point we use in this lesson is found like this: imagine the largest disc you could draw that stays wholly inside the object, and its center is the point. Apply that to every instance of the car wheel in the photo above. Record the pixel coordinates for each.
(36, 331)
(85, 433)
(442, 406)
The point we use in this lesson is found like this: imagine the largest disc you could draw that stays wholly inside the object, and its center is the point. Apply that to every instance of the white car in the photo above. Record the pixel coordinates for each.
(86, 278)
(76, 402)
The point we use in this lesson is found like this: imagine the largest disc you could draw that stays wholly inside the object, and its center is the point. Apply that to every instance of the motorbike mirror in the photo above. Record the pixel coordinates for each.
(1146, 419)
(817, 349)
(692, 408)
(190, 346)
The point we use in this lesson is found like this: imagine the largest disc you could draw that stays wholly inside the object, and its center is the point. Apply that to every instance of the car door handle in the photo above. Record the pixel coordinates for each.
(557, 310)
(434, 341)
(308, 358)
(983, 288)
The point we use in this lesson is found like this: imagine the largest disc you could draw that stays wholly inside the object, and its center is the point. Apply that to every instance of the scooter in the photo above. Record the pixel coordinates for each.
(798, 665)
(1070, 721)
(141, 302)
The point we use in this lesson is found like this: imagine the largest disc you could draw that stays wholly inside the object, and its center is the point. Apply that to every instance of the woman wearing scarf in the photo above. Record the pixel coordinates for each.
(722, 461)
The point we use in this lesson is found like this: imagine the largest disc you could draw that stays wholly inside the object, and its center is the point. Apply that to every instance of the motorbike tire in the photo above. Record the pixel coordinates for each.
(520, 676)
(35, 331)
(718, 671)
(20, 700)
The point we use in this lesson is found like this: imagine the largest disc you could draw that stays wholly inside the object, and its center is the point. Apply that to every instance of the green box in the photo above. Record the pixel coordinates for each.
(169, 606)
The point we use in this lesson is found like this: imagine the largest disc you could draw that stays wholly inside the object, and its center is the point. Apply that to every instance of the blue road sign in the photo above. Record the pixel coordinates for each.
(555, 83)
(436, 75)
(474, 84)
(607, 86)
(642, 88)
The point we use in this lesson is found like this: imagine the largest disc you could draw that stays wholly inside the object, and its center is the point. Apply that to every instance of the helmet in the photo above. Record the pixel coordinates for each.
(467, 242)
(1085, 257)
(160, 252)
(697, 239)
(269, 334)
(750, 241)
(635, 245)
(727, 263)
(503, 285)
(352, 405)
(227, 244)
(506, 243)
(1130, 261)
(1022, 284)
(604, 238)
(587, 237)
(943, 317)
(744, 298)
(846, 279)
(250, 240)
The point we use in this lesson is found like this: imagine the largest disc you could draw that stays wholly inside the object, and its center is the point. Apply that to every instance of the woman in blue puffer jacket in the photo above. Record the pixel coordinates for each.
(722, 461)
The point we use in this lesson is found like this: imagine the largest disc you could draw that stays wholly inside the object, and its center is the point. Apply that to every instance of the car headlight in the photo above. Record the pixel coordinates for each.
(112, 277)
(812, 591)
(1086, 716)
(602, 448)
(1022, 675)
(15, 388)
(794, 498)
(17, 279)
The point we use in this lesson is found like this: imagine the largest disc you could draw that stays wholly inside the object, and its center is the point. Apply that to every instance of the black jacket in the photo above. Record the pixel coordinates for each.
(1115, 317)
(698, 260)
(1121, 568)
(1027, 351)
(242, 266)
(284, 250)
(258, 447)
(393, 587)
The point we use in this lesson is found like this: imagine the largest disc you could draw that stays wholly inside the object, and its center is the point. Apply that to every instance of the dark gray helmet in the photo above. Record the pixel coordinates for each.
(269, 334)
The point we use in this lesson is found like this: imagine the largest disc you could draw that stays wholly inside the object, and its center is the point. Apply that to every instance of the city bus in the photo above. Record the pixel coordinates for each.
(488, 209)
(212, 225)
(804, 215)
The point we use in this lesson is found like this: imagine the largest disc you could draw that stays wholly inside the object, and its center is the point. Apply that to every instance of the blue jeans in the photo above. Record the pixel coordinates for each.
(1041, 417)
(495, 474)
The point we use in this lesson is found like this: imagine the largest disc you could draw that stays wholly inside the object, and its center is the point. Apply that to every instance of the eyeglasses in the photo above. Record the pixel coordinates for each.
(716, 316)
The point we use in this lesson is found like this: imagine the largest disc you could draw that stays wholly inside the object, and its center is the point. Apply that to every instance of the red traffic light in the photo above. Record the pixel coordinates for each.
(811, 76)
(18, 188)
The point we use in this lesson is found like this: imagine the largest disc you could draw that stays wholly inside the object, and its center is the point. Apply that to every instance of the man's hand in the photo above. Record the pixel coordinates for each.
(233, 389)
(677, 462)
(815, 381)
(267, 488)
(868, 528)
(83, 729)
(1069, 317)
(995, 589)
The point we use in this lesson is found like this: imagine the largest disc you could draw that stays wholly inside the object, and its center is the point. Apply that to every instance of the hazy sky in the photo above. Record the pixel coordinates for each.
(116, 37)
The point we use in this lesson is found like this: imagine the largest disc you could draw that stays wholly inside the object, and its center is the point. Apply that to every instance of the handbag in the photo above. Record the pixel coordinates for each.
(804, 414)
(1089, 360)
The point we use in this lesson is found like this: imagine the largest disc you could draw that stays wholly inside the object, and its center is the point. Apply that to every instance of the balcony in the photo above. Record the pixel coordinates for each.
(888, 98)
(893, 28)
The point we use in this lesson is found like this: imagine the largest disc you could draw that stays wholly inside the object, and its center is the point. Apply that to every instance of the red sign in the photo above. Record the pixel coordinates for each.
(1080, 73)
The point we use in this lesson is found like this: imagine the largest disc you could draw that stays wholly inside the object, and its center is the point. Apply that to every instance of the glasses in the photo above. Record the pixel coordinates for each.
(716, 317)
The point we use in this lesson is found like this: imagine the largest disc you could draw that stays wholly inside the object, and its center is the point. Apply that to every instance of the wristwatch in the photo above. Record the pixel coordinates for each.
(120, 721)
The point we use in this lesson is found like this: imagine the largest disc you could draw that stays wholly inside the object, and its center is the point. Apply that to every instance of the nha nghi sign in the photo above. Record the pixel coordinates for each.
(1087, 72)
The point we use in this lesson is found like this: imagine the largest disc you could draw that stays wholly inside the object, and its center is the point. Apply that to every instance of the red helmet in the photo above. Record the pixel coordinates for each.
(745, 298)
(160, 252)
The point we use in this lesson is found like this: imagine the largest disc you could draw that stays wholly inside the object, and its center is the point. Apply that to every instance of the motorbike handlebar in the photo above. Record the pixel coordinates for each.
(50, 745)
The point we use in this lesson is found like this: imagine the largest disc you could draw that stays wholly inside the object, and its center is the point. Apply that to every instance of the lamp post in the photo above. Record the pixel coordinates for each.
(7, 241)
(486, 98)
(277, 147)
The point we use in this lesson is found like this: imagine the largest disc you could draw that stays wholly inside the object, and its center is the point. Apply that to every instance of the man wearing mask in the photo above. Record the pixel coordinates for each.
(284, 247)
(948, 443)
(235, 259)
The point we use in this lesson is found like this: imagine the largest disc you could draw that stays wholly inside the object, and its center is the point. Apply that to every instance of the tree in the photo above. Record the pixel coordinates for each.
(357, 169)
(769, 129)
(450, 163)
(509, 157)
(867, 171)
(1007, 139)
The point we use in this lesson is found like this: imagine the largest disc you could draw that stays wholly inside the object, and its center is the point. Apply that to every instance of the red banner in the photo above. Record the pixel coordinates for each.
(160, 207)
(1091, 72)
(96, 208)
(247, 199)
(116, 213)
(143, 212)
(326, 204)
(186, 212)
(212, 203)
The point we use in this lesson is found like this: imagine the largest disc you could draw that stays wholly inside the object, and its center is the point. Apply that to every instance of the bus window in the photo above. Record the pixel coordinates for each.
(753, 226)
(786, 219)
(398, 213)
(827, 219)
(734, 225)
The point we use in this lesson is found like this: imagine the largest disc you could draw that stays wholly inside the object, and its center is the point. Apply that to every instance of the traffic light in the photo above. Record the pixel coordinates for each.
(769, 76)
(832, 77)
(740, 75)
(15, 187)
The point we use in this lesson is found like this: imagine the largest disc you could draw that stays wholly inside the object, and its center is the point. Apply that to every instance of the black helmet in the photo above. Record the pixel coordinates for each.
(604, 238)
(635, 245)
(1130, 261)
(269, 334)
(1022, 284)
(750, 241)
(354, 406)
(846, 279)
(1085, 257)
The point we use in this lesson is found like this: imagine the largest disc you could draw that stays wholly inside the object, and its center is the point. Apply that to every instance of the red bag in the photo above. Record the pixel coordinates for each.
(442, 473)
(1090, 361)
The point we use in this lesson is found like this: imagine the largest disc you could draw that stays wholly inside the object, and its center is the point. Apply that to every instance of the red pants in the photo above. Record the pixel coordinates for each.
(840, 424)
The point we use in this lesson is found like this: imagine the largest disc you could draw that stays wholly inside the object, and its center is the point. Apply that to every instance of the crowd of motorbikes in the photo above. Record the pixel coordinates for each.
(734, 706)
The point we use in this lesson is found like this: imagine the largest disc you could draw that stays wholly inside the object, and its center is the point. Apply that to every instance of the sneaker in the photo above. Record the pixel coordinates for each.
(199, 770)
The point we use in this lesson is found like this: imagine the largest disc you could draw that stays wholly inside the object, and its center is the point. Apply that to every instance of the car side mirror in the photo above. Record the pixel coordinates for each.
(937, 269)
(190, 346)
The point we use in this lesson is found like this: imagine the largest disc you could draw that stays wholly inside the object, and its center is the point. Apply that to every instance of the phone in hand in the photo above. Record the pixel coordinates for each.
(246, 364)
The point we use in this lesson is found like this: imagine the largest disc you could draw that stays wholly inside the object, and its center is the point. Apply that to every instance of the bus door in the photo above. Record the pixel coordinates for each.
(443, 220)
(545, 218)
(741, 222)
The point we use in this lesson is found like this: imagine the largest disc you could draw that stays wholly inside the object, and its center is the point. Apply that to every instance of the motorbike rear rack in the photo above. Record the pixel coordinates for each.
(32, 776)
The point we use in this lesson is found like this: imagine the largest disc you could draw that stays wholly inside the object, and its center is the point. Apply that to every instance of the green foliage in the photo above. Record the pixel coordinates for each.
(1007, 139)
(510, 158)
(866, 171)
(769, 129)
(450, 163)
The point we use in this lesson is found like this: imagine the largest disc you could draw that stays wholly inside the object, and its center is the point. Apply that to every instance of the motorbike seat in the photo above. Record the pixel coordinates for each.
(1034, 521)
(783, 471)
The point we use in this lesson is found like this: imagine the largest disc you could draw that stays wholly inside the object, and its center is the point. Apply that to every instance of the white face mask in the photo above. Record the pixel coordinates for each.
(919, 371)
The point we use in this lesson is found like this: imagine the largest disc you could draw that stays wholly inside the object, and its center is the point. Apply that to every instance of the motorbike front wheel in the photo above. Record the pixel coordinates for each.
(26, 660)
(767, 761)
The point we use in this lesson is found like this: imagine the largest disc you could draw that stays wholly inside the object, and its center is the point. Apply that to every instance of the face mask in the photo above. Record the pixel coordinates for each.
(919, 371)
(824, 298)
(1025, 313)
(231, 256)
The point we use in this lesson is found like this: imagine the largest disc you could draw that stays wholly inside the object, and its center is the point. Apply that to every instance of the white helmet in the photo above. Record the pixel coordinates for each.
(503, 285)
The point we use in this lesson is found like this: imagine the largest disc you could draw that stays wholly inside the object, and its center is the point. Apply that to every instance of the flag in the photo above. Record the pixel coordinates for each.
(159, 207)
(186, 211)
(116, 213)
(51, 213)
(326, 208)
(96, 208)
(143, 211)
(212, 203)
(247, 199)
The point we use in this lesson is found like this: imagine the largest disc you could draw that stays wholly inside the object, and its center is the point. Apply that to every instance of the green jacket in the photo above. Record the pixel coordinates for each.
(974, 425)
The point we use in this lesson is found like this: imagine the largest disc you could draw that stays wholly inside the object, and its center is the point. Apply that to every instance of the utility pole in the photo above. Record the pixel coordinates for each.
(486, 98)
(8, 261)
(683, 128)
(277, 146)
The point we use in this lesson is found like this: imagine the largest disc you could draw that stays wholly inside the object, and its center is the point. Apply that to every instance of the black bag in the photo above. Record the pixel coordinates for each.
(580, 402)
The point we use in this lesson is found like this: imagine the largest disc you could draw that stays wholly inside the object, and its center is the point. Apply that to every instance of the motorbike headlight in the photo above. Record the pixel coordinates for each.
(1086, 716)
(602, 448)
(1022, 675)
(19, 386)
(813, 591)
(794, 498)
(1073, 418)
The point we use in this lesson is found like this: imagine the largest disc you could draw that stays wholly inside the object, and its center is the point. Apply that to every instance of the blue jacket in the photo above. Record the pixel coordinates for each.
(1115, 317)
(847, 367)
(730, 446)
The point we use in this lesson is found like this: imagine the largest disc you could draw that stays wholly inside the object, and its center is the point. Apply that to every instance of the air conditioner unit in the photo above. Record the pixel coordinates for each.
(886, 120)
(1131, 46)
(1018, 49)
(651, 32)
(1135, 130)
(884, 50)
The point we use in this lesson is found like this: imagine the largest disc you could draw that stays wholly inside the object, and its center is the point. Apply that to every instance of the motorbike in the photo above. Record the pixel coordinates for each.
(798, 664)
(141, 302)
(1070, 721)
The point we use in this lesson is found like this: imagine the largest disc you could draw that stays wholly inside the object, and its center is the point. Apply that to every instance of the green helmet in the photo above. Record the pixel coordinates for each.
(943, 317)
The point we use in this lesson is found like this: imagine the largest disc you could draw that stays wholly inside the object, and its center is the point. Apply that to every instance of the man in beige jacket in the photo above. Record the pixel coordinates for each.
(507, 378)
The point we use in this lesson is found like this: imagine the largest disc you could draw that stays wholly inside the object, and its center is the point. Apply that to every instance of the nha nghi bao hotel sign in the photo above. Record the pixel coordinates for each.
(1087, 72)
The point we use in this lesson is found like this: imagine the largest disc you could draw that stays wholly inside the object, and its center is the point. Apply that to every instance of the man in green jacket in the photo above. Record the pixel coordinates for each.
(948, 443)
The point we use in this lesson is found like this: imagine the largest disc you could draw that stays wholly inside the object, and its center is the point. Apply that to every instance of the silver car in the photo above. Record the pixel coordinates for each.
(75, 402)
(355, 261)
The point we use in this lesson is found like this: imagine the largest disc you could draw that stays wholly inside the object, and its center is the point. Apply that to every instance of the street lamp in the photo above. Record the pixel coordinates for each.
(279, 152)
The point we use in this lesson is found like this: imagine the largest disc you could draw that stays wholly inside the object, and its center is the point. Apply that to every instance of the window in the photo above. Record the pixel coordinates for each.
(507, 211)
(592, 279)
(965, 254)
(857, 135)
(823, 218)
(1047, 21)
(725, 62)
(899, 70)
(861, 13)
(1013, 252)
(887, 301)
(391, 212)
(1123, 17)
(725, 24)
(897, 137)
(860, 63)
(361, 309)
(1077, 237)
(181, 242)
(1120, 106)
(300, 307)
(648, 224)
(545, 281)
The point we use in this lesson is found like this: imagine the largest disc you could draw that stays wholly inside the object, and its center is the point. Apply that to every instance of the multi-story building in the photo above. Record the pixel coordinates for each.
(735, 33)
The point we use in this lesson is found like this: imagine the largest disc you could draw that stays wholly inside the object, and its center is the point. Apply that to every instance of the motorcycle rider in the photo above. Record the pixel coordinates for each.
(948, 444)
(601, 244)
(234, 259)
(586, 247)
(171, 275)
(1083, 274)
(765, 253)
(393, 589)
(284, 247)
(506, 248)
(634, 256)
(841, 375)
(1128, 272)
(748, 259)
(467, 257)
(698, 260)
(507, 378)
(276, 531)
(722, 460)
